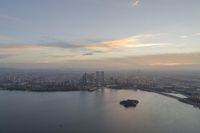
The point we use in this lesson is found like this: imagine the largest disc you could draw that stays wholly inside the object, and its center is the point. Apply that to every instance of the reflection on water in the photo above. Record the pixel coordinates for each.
(177, 95)
(94, 112)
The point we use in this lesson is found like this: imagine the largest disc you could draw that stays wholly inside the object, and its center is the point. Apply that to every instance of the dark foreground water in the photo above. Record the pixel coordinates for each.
(94, 112)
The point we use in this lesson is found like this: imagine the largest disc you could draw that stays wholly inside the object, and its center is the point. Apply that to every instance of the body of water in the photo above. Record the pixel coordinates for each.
(94, 112)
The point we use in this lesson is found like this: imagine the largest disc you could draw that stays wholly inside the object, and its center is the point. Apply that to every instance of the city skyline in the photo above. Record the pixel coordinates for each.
(130, 34)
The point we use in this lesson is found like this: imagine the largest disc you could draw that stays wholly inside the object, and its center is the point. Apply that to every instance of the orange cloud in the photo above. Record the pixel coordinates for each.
(98, 50)
(129, 42)
(22, 48)
(167, 64)
(118, 43)
(167, 59)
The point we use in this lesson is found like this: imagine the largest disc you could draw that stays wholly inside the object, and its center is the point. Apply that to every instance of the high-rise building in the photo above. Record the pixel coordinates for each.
(88, 79)
(100, 78)
(84, 79)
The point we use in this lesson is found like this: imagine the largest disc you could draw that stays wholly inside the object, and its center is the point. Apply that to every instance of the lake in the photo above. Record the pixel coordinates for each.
(94, 112)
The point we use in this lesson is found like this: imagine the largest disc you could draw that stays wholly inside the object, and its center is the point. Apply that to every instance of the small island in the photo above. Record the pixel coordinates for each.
(129, 103)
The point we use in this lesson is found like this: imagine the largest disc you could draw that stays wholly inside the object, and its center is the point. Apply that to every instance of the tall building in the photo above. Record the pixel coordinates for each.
(88, 79)
(84, 79)
(100, 78)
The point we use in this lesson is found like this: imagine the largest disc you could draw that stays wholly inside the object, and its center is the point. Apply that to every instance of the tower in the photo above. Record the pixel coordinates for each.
(99, 78)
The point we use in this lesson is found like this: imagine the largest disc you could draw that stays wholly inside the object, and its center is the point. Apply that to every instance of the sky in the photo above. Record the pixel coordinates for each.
(129, 34)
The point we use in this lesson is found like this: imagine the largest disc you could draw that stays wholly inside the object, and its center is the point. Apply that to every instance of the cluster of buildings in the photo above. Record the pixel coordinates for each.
(93, 79)
(51, 81)
(62, 80)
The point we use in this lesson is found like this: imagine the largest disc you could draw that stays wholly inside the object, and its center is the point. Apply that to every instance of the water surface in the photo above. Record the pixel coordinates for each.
(94, 112)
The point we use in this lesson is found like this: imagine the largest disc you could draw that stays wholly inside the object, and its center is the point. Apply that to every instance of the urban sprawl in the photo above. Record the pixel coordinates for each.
(169, 84)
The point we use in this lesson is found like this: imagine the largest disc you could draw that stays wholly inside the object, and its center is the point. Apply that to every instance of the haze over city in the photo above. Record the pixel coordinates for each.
(99, 66)
(129, 34)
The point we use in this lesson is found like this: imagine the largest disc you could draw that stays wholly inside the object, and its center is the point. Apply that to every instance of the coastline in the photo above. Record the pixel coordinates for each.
(183, 100)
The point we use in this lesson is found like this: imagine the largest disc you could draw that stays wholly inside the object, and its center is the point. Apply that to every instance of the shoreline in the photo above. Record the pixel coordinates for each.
(182, 100)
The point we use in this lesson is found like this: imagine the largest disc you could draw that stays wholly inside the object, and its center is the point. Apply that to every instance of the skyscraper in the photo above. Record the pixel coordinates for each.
(84, 79)
(99, 78)
(88, 79)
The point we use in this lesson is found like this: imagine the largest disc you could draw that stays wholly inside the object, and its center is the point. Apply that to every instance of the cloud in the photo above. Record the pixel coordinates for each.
(197, 34)
(97, 49)
(112, 43)
(166, 59)
(135, 3)
(184, 36)
(6, 38)
(188, 60)
(66, 45)
(3, 56)
(21, 48)
(171, 60)
(9, 18)
(92, 52)
(86, 54)
(37, 53)
(137, 41)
